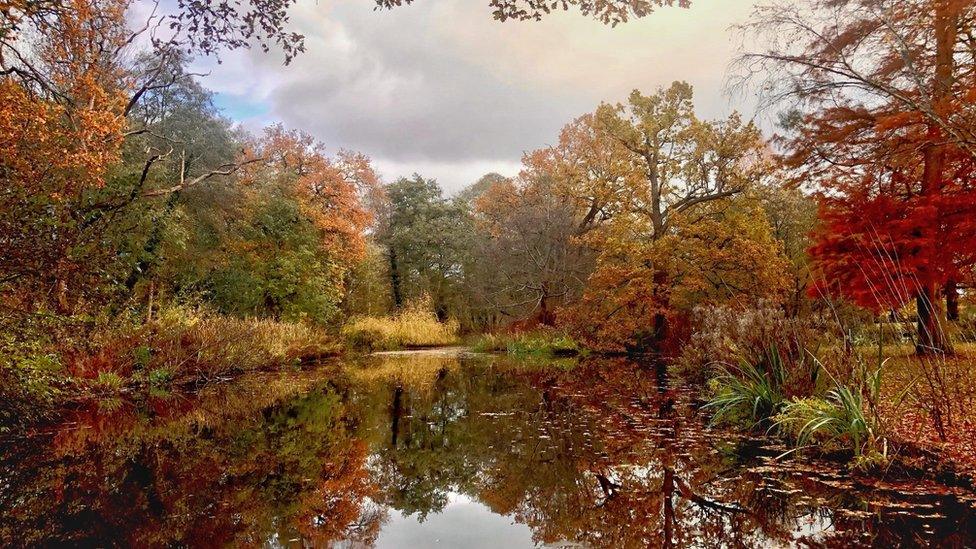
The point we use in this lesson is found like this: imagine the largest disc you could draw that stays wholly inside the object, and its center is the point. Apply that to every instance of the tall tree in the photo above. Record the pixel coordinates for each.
(532, 261)
(424, 236)
(680, 165)
(885, 132)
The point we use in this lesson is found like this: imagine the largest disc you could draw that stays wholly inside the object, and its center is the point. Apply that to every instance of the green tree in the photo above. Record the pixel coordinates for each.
(423, 234)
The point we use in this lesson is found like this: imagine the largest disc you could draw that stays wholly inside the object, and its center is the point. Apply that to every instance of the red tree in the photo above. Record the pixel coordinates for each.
(887, 137)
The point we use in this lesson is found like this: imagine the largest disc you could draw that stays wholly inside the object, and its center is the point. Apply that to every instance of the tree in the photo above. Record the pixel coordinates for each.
(607, 11)
(288, 235)
(474, 191)
(423, 233)
(529, 253)
(664, 177)
(58, 142)
(885, 133)
(792, 216)
(202, 27)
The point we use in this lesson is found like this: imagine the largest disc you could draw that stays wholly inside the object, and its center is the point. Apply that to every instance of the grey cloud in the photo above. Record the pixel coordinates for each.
(440, 87)
(399, 93)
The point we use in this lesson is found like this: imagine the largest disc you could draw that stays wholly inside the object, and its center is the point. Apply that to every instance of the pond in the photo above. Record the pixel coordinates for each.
(443, 449)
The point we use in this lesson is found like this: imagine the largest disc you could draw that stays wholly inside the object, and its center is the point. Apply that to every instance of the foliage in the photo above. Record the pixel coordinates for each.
(527, 260)
(726, 257)
(415, 325)
(30, 385)
(609, 12)
(748, 394)
(663, 198)
(424, 235)
(837, 421)
(893, 163)
(57, 142)
(725, 334)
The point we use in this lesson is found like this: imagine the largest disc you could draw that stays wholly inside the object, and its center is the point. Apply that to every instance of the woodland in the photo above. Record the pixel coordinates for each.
(816, 283)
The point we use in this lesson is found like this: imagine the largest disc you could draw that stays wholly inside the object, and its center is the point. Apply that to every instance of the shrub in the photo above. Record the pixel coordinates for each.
(415, 326)
(202, 345)
(838, 421)
(542, 343)
(747, 393)
(29, 386)
(727, 335)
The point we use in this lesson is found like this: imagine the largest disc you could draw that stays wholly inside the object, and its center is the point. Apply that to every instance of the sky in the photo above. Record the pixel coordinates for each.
(441, 89)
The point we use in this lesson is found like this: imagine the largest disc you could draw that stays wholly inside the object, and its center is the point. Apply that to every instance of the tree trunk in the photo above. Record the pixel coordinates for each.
(395, 412)
(952, 300)
(545, 315)
(932, 337)
(395, 281)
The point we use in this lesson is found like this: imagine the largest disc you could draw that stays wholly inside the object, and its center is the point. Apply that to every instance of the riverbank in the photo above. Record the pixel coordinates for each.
(180, 348)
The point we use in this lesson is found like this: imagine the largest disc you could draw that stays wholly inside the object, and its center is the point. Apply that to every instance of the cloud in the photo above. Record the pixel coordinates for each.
(440, 86)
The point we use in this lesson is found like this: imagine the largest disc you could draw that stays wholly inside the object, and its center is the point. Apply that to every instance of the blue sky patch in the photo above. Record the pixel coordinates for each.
(239, 107)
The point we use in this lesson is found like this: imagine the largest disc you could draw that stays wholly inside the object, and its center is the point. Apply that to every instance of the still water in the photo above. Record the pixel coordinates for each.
(441, 450)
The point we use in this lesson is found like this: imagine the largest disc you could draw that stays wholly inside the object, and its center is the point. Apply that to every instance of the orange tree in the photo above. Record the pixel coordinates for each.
(662, 196)
(58, 137)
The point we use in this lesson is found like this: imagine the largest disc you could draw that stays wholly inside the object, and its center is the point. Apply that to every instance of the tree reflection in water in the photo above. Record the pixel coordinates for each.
(264, 459)
(615, 454)
(608, 453)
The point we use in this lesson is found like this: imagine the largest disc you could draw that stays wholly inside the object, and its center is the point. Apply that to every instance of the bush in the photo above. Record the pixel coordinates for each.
(198, 344)
(726, 335)
(29, 387)
(748, 394)
(836, 422)
(415, 326)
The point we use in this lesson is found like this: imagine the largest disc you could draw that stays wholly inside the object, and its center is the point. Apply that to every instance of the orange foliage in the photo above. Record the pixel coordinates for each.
(61, 128)
(333, 190)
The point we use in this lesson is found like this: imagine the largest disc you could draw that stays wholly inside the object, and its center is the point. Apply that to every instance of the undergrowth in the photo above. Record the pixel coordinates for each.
(415, 326)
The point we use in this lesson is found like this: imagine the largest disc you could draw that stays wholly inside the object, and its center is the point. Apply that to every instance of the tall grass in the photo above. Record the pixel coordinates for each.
(843, 417)
(837, 422)
(415, 326)
(747, 392)
(189, 345)
(543, 344)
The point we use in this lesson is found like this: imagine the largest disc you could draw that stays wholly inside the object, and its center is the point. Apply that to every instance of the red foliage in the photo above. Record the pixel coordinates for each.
(879, 249)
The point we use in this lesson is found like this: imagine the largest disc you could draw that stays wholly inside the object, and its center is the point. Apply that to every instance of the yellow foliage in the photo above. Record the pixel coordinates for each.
(415, 326)
(722, 253)
(213, 344)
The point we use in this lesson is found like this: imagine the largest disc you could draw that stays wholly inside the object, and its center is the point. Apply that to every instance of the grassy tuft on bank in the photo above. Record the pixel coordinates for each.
(181, 346)
(540, 343)
(415, 326)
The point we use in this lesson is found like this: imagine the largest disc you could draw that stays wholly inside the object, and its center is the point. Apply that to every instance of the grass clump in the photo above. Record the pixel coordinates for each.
(836, 422)
(189, 345)
(748, 394)
(541, 344)
(205, 345)
(415, 326)
(841, 418)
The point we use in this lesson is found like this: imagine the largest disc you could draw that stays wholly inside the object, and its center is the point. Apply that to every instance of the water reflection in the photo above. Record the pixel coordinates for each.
(414, 450)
